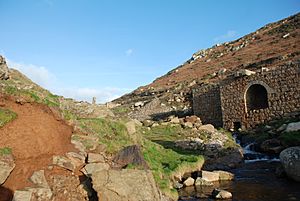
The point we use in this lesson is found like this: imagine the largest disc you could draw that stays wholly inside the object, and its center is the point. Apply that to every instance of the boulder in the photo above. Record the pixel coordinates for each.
(22, 195)
(208, 128)
(202, 182)
(290, 159)
(95, 158)
(189, 182)
(4, 72)
(221, 194)
(295, 126)
(210, 176)
(66, 163)
(126, 184)
(6, 166)
(224, 175)
(130, 155)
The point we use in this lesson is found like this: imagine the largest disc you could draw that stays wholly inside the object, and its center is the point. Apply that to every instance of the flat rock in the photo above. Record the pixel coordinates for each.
(95, 158)
(6, 166)
(126, 184)
(92, 168)
(22, 195)
(210, 176)
(295, 126)
(38, 178)
(64, 162)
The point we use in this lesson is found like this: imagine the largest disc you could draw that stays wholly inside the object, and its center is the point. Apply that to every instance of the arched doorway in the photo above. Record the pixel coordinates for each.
(256, 97)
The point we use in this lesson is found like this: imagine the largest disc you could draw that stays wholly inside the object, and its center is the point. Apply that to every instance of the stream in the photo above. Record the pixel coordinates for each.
(255, 180)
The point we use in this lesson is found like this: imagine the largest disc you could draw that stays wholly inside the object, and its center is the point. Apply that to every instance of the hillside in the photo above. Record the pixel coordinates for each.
(269, 46)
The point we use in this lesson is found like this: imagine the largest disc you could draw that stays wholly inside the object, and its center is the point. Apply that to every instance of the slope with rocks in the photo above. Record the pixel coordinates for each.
(269, 46)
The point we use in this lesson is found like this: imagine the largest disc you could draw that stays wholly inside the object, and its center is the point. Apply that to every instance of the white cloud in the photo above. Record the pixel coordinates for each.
(43, 77)
(102, 95)
(38, 74)
(129, 52)
(228, 35)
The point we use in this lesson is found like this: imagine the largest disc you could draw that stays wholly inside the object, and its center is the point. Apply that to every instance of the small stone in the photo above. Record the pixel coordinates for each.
(189, 182)
(178, 185)
(221, 194)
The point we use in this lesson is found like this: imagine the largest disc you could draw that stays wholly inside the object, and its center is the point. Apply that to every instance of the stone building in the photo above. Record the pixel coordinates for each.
(248, 98)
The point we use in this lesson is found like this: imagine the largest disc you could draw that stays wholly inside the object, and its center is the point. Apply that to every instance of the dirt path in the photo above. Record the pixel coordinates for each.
(35, 136)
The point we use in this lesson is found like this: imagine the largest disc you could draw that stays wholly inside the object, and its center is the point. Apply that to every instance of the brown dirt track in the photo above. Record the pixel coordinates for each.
(35, 136)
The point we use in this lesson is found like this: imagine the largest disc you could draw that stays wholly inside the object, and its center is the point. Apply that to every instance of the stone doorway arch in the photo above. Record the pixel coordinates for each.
(256, 97)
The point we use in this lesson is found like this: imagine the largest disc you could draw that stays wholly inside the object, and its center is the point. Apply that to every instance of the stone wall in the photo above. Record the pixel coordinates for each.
(283, 95)
(207, 104)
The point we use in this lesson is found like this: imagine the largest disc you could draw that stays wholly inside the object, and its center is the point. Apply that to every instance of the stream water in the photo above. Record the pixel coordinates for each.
(255, 180)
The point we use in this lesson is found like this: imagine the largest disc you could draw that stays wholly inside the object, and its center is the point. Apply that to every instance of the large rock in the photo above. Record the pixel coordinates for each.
(202, 182)
(6, 166)
(295, 126)
(210, 176)
(224, 175)
(4, 73)
(125, 184)
(91, 168)
(272, 146)
(95, 158)
(208, 128)
(41, 190)
(131, 155)
(290, 159)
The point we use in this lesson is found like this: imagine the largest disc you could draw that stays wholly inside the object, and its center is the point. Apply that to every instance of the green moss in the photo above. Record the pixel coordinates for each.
(6, 116)
(290, 138)
(5, 151)
(120, 110)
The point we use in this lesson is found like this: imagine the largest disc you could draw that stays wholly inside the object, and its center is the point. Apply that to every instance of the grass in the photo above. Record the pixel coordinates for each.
(6, 116)
(5, 151)
(111, 133)
(165, 163)
(120, 110)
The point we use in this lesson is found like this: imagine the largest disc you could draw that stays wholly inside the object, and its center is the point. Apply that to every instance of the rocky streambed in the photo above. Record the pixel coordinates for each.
(257, 178)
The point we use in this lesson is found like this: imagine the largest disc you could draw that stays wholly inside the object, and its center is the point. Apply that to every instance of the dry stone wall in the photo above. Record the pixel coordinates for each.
(283, 96)
(226, 104)
(207, 104)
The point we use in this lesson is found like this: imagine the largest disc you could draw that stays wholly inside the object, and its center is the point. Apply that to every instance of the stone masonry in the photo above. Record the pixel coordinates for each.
(246, 101)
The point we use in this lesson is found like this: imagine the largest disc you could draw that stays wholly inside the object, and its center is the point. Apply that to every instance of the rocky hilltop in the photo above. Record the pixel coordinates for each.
(270, 46)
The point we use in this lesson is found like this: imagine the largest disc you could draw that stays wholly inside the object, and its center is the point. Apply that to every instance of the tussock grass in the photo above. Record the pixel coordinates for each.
(6, 116)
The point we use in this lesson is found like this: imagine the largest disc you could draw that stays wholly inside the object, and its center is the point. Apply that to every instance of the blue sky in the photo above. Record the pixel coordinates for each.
(105, 48)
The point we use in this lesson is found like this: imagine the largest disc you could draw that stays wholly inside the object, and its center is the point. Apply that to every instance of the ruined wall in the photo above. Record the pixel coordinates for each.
(207, 104)
(283, 88)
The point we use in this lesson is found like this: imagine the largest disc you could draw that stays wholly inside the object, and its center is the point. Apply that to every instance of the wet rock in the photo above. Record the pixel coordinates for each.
(126, 184)
(295, 126)
(4, 73)
(95, 158)
(210, 176)
(22, 195)
(224, 175)
(6, 166)
(221, 194)
(272, 146)
(290, 159)
(189, 182)
(131, 155)
(202, 182)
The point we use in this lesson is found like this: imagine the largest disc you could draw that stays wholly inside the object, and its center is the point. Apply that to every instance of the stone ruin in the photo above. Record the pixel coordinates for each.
(246, 98)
